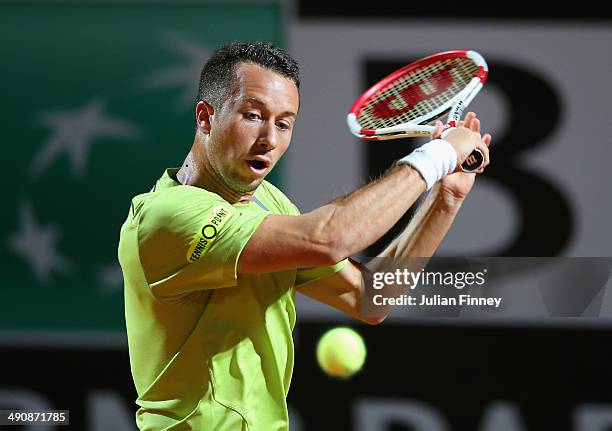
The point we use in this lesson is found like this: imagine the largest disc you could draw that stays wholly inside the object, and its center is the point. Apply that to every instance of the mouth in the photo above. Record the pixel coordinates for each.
(259, 164)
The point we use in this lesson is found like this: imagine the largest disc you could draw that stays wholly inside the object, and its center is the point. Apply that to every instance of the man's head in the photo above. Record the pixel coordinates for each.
(219, 75)
(247, 103)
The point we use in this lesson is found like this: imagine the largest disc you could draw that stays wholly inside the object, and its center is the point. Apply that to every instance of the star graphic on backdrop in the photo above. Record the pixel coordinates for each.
(37, 244)
(186, 75)
(73, 132)
(111, 277)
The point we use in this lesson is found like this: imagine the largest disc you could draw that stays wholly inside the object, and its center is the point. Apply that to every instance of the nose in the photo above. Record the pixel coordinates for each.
(267, 136)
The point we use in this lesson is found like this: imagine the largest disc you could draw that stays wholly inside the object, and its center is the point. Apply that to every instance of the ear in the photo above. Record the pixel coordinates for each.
(204, 112)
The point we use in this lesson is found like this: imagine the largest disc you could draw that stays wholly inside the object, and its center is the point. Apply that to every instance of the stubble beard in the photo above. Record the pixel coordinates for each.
(231, 180)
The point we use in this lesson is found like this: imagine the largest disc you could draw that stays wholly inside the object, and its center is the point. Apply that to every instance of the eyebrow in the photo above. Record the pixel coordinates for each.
(257, 101)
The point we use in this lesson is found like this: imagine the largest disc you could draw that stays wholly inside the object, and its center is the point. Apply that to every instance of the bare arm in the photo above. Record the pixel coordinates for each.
(334, 231)
(427, 228)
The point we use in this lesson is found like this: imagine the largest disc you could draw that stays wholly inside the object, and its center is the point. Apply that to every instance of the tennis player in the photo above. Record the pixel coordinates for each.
(213, 255)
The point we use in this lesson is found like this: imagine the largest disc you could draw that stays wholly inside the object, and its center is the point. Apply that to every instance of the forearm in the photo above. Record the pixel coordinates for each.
(412, 249)
(427, 228)
(352, 223)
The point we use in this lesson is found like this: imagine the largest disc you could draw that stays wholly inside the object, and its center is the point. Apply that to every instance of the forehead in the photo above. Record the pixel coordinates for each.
(273, 89)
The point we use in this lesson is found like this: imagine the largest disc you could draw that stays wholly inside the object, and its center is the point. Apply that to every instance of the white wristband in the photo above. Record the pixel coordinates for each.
(433, 160)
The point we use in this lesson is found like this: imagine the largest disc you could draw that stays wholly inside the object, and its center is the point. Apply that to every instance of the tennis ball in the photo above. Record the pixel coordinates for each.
(341, 352)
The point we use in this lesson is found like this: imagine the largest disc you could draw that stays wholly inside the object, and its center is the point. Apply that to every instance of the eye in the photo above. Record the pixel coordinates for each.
(252, 116)
(283, 125)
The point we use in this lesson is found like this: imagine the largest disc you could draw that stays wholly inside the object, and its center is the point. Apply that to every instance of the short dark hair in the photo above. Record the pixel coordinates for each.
(219, 74)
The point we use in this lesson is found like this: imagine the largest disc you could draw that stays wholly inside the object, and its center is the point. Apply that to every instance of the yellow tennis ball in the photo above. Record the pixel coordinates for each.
(341, 352)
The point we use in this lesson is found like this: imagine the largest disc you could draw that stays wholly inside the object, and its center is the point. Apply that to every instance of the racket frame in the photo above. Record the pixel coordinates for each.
(418, 126)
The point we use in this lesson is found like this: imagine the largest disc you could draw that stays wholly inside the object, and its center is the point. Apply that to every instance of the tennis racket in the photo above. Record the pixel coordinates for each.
(409, 101)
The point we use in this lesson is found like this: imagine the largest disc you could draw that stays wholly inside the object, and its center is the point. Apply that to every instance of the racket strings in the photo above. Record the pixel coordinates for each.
(417, 93)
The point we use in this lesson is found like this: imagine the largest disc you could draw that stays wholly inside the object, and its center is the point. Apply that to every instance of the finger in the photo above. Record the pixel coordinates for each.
(438, 129)
(461, 123)
(485, 152)
(475, 126)
(487, 139)
(468, 119)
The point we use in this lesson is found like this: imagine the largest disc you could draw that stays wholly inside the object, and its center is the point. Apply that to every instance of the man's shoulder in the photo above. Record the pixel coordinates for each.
(180, 192)
(271, 188)
(166, 207)
(168, 189)
(273, 193)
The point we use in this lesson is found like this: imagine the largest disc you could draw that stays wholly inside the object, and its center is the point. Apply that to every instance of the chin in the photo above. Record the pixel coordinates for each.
(254, 184)
(246, 186)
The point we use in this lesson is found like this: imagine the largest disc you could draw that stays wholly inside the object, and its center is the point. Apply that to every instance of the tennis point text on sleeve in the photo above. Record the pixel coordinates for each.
(207, 234)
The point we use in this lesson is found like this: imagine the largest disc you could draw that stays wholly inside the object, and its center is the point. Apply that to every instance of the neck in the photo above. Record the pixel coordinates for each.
(197, 171)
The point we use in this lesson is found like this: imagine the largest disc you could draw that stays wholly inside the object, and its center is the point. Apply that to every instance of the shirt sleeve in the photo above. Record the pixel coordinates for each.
(191, 240)
(308, 275)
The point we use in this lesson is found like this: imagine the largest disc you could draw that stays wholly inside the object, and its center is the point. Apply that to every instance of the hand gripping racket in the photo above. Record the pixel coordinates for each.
(409, 101)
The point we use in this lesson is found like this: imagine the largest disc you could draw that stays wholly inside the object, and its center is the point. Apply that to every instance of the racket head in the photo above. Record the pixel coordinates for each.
(411, 99)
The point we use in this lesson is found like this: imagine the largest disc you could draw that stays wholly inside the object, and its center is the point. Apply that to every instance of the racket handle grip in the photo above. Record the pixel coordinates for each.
(473, 162)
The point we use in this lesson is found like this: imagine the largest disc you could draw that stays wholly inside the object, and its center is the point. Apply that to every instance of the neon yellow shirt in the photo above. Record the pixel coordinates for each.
(209, 349)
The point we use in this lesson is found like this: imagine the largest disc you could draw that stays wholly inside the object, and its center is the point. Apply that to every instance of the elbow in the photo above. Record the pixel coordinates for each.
(332, 254)
(329, 243)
